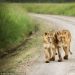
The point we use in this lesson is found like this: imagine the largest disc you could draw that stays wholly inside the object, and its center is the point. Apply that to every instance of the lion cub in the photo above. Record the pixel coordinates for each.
(63, 38)
(49, 44)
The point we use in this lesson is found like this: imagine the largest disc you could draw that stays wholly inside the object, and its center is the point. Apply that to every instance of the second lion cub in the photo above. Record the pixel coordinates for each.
(63, 38)
(49, 43)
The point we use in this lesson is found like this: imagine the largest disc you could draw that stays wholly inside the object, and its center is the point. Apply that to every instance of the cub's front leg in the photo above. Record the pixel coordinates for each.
(59, 54)
(66, 49)
(47, 54)
(53, 54)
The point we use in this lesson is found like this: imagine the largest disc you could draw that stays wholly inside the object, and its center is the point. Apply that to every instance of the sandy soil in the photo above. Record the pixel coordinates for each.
(37, 65)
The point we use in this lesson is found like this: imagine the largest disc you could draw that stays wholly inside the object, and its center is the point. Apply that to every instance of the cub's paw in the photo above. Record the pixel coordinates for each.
(60, 60)
(66, 57)
(47, 62)
(52, 59)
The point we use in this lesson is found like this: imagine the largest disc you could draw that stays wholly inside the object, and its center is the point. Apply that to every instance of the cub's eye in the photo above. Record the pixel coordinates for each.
(46, 33)
(64, 37)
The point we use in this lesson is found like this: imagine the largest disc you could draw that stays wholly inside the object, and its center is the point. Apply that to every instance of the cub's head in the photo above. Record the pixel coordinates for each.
(50, 36)
(61, 36)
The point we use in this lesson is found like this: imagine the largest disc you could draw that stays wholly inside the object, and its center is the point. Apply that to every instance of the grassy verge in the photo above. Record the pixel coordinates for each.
(15, 26)
(46, 8)
(20, 58)
(14, 60)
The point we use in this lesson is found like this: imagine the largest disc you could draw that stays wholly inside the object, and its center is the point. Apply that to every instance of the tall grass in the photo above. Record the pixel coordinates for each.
(46, 8)
(15, 26)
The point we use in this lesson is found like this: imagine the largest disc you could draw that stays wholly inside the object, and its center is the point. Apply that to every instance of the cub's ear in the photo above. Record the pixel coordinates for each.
(45, 33)
(57, 33)
(56, 37)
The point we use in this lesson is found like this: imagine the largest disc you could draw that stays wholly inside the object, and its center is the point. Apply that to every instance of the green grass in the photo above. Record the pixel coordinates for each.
(15, 26)
(46, 8)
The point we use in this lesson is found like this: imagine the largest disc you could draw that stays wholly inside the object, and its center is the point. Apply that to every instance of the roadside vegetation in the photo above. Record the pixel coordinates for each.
(67, 9)
(15, 26)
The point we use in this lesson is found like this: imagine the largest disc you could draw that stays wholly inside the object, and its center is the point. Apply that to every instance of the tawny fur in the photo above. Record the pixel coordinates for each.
(49, 43)
(63, 39)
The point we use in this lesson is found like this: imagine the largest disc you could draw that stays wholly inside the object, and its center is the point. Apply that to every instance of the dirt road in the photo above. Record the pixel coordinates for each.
(66, 67)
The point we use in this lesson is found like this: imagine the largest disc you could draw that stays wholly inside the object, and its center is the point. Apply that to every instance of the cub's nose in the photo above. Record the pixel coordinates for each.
(48, 37)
